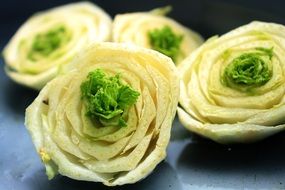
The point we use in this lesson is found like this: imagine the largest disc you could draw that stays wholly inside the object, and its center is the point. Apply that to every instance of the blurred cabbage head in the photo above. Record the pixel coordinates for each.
(109, 118)
(50, 39)
(233, 86)
(156, 31)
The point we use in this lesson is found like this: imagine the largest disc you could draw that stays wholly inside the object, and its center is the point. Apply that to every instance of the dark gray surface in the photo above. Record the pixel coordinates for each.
(192, 163)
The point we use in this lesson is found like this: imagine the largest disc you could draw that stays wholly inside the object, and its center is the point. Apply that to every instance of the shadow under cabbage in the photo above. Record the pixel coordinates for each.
(204, 163)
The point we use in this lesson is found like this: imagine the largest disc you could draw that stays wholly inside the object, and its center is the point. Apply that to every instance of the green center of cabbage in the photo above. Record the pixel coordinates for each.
(165, 41)
(44, 44)
(107, 98)
(249, 70)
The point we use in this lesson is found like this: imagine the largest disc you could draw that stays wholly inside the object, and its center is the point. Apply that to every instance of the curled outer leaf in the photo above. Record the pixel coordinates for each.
(156, 31)
(233, 86)
(50, 39)
(88, 149)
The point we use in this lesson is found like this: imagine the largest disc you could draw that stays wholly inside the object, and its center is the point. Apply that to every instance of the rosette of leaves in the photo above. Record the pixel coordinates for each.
(50, 39)
(156, 31)
(109, 118)
(233, 86)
